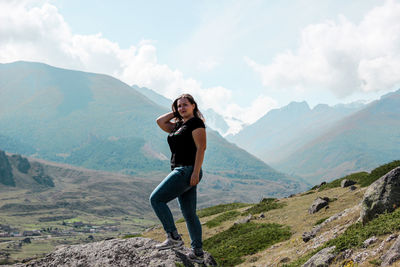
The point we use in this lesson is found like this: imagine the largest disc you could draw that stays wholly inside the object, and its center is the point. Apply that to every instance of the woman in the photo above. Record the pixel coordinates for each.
(187, 141)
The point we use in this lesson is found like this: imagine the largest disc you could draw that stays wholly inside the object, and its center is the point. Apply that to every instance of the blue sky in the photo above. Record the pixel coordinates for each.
(241, 58)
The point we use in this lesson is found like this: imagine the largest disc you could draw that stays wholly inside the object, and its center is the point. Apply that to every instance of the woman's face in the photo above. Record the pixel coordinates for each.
(185, 108)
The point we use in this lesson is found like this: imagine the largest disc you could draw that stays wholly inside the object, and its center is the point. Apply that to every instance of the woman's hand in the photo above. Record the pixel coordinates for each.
(194, 179)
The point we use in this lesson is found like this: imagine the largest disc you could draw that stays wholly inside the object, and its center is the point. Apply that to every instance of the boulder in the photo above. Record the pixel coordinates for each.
(381, 196)
(353, 187)
(347, 183)
(307, 236)
(392, 255)
(318, 204)
(135, 251)
(244, 220)
(322, 258)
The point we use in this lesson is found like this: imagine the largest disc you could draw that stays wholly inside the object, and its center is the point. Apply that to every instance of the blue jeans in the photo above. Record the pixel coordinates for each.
(177, 185)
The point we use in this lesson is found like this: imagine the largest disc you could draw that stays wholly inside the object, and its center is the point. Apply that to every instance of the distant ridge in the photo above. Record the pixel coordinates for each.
(282, 131)
(366, 138)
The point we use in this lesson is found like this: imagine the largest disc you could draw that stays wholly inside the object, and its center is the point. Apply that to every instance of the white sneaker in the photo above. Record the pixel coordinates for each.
(170, 243)
(196, 255)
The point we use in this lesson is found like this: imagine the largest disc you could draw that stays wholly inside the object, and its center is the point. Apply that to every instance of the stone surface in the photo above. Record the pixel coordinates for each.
(381, 196)
(393, 254)
(136, 251)
(318, 204)
(322, 258)
(347, 183)
(368, 242)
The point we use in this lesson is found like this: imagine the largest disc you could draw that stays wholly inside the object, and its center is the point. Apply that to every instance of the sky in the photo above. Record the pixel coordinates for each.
(242, 58)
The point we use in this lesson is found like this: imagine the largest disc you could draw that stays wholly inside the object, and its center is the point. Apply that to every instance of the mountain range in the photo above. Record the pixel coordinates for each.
(98, 122)
(326, 142)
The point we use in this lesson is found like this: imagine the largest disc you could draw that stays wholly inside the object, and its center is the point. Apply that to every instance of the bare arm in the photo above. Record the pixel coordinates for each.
(200, 140)
(164, 122)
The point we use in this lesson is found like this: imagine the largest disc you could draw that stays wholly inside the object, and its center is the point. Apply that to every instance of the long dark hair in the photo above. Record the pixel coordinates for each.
(196, 111)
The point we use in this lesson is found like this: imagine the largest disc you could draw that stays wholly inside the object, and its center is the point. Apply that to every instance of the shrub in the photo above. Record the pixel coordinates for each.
(229, 246)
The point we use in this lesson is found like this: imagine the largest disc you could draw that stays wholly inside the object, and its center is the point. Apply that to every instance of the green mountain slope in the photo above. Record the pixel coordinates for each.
(99, 122)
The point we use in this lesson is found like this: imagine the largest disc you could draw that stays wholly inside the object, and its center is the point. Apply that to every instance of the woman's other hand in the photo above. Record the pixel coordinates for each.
(194, 179)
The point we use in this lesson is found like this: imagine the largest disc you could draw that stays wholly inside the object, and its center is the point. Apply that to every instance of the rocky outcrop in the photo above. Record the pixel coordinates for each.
(40, 177)
(136, 251)
(21, 163)
(347, 183)
(381, 196)
(322, 258)
(318, 204)
(6, 176)
(393, 254)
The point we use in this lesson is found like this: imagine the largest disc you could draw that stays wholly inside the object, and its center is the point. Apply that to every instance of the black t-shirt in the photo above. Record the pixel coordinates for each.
(181, 142)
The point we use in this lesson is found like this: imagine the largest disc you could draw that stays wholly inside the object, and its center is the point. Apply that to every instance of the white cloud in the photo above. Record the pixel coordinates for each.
(36, 31)
(341, 56)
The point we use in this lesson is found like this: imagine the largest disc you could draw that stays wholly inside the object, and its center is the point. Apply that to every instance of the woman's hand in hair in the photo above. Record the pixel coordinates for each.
(164, 122)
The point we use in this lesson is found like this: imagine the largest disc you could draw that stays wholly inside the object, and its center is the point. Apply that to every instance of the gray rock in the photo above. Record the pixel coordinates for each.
(393, 254)
(347, 183)
(136, 251)
(381, 196)
(244, 220)
(368, 242)
(318, 204)
(353, 187)
(307, 236)
(322, 258)
(391, 237)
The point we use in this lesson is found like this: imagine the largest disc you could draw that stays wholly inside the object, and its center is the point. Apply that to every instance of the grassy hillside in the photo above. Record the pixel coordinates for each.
(275, 238)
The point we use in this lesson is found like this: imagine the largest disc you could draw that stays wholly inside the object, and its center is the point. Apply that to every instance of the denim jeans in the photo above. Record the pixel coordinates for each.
(177, 185)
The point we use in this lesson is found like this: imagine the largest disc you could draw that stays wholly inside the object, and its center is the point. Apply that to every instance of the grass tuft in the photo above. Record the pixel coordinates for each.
(321, 221)
(357, 233)
(131, 236)
(228, 247)
(220, 208)
(364, 178)
(222, 218)
(265, 205)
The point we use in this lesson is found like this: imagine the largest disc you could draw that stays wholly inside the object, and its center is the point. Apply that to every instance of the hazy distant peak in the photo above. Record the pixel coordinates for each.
(321, 107)
(397, 92)
(297, 107)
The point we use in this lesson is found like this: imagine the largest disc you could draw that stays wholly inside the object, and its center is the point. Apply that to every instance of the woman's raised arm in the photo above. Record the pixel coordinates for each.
(164, 122)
